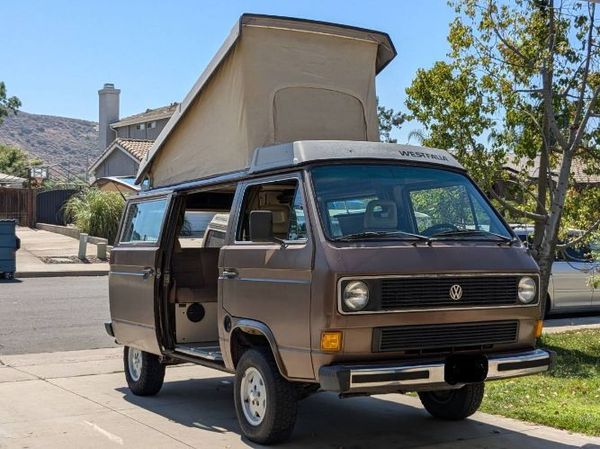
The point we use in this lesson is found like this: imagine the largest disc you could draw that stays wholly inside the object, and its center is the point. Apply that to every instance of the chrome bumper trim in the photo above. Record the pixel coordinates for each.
(409, 376)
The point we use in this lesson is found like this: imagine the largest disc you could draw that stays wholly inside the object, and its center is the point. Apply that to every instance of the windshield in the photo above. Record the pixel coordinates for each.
(400, 202)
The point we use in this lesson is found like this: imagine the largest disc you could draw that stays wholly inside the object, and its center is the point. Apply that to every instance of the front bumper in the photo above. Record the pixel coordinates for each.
(430, 375)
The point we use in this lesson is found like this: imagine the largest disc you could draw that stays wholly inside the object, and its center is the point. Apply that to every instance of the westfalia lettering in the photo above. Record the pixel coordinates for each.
(437, 157)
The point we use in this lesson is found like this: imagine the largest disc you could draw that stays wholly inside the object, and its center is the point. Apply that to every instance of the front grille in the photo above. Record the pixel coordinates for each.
(446, 337)
(434, 292)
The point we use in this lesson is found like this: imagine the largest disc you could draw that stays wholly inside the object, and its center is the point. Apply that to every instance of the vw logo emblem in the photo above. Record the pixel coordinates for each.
(456, 292)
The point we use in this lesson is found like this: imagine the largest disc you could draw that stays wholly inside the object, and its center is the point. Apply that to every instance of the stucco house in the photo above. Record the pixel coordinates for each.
(125, 140)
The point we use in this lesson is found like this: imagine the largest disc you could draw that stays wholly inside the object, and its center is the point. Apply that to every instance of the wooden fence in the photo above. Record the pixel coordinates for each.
(18, 204)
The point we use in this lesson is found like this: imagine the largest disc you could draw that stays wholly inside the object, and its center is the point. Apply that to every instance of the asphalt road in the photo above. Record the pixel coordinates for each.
(53, 314)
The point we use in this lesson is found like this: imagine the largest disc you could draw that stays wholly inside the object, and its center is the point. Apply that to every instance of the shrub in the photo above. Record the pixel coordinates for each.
(96, 212)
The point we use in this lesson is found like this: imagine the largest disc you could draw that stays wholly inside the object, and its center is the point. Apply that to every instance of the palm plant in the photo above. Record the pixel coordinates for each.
(96, 212)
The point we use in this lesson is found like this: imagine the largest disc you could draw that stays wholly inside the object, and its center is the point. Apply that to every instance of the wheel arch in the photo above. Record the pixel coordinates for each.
(247, 334)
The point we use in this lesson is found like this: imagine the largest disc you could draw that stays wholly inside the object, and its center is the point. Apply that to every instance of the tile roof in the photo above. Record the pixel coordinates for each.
(581, 172)
(147, 116)
(138, 148)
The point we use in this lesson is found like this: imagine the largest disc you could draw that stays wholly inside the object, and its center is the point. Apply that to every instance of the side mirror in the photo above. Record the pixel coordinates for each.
(261, 226)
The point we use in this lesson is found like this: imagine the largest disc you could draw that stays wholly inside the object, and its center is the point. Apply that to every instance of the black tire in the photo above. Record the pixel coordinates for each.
(453, 405)
(280, 399)
(149, 380)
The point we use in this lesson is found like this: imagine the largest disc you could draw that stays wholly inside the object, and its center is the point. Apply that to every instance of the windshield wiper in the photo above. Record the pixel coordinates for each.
(472, 232)
(376, 234)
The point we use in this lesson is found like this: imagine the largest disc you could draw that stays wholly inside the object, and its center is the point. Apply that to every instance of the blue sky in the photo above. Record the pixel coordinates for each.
(57, 54)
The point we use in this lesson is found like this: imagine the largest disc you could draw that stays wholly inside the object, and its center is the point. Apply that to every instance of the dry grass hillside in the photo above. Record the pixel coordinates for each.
(73, 143)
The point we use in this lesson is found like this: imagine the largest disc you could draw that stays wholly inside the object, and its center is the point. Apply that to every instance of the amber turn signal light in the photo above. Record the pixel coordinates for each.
(331, 341)
(539, 325)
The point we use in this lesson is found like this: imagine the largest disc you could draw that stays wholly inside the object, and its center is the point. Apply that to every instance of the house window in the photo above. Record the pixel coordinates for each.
(141, 126)
(151, 125)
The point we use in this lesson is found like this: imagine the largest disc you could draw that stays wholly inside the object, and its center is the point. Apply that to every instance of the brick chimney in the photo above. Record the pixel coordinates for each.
(108, 113)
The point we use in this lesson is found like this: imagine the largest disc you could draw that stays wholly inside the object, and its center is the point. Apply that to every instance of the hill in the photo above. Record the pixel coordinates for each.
(72, 143)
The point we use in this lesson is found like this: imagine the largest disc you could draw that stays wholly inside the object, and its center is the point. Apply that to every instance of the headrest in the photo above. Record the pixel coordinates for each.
(381, 214)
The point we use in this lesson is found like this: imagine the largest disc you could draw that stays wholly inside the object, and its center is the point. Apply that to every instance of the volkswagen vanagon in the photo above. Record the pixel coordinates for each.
(344, 266)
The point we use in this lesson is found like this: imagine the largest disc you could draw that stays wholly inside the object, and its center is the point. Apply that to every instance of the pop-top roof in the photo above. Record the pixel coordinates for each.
(274, 80)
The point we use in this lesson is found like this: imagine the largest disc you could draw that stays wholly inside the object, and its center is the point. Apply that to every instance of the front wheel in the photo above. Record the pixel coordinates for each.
(265, 403)
(453, 405)
(143, 371)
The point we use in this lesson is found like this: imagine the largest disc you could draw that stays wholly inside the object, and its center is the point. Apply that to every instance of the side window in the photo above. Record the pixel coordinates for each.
(579, 253)
(284, 199)
(143, 221)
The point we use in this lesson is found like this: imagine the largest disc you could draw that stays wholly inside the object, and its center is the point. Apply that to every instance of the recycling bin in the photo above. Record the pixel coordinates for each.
(9, 244)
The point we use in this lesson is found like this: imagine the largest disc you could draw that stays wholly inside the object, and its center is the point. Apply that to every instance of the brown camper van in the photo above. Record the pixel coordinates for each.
(353, 267)
(332, 262)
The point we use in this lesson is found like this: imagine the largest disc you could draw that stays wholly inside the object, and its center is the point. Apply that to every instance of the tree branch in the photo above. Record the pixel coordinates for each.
(579, 134)
(586, 70)
(581, 237)
(513, 208)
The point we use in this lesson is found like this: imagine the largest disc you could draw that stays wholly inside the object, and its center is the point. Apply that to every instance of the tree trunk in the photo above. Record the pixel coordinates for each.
(545, 258)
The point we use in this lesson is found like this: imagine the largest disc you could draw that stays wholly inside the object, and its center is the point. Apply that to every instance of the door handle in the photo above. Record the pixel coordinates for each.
(147, 272)
(230, 273)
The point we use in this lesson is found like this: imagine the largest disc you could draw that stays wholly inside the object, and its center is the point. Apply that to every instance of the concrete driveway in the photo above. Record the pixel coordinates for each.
(79, 400)
(37, 244)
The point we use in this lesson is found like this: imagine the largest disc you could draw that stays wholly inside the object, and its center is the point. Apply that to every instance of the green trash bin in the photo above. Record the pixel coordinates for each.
(9, 244)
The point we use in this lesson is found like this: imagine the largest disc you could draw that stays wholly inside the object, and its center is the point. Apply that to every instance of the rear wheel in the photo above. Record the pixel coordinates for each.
(143, 371)
(265, 403)
(453, 405)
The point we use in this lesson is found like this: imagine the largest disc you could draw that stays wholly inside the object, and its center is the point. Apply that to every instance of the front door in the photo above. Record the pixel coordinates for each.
(270, 282)
(134, 273)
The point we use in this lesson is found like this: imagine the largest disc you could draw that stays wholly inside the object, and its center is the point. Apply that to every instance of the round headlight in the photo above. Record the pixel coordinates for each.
(356, 295)
(527, 290)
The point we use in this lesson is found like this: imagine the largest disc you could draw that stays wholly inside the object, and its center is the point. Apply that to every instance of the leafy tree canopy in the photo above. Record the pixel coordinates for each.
(522, 78)
(388, 120)
(7, 104)
(16, 162)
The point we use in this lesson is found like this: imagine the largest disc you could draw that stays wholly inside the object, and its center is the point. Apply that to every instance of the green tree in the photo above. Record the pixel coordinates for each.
(388, 120)
(7, 104)
(522, 77)
(16, 162)
(457, 115)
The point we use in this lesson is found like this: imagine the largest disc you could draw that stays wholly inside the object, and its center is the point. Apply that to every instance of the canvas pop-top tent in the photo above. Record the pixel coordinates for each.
(274, 80)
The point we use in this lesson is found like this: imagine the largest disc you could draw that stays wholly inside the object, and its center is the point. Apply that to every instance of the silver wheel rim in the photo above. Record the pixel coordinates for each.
(134, 361)
(254, 396)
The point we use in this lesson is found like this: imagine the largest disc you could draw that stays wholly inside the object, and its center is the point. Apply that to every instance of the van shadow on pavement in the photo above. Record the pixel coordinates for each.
(324, 421)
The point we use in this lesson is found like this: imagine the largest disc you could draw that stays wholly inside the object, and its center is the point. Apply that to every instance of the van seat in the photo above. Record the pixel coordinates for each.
(196, 275)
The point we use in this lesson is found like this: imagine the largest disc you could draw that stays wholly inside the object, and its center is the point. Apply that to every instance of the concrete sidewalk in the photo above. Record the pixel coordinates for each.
(79, 400)
(36, 243)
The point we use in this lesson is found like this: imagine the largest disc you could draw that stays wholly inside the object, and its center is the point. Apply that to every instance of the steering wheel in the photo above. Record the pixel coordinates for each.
(440, 227)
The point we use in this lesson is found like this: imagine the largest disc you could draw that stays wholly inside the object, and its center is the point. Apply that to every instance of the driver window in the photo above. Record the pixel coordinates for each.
(284, 199)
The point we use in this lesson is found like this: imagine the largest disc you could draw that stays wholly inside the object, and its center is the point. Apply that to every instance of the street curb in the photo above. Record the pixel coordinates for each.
(54, 274)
